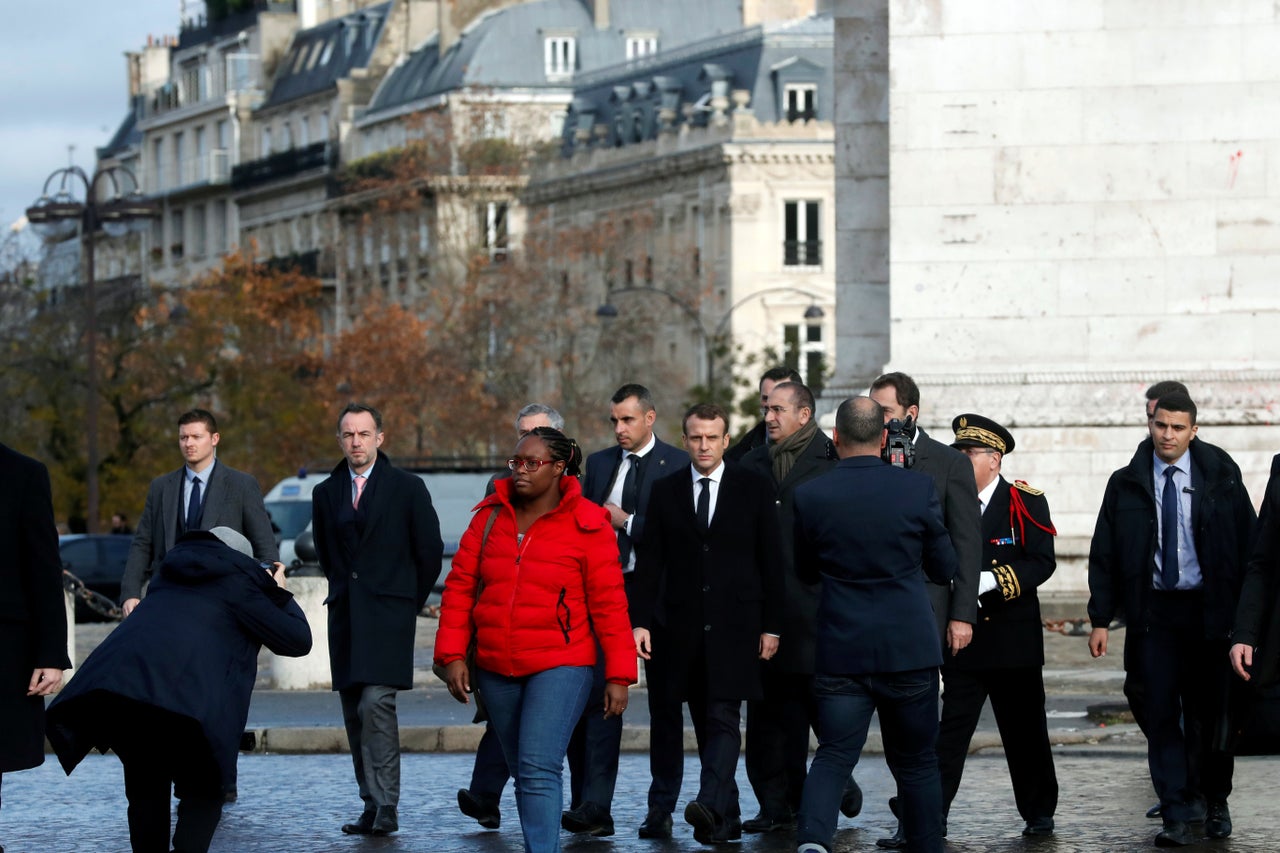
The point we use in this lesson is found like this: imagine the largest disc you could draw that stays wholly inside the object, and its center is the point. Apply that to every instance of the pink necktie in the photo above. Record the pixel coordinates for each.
(360, 481)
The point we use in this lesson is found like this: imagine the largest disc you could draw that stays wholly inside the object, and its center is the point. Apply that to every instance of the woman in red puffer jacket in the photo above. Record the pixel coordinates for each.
(537, 591)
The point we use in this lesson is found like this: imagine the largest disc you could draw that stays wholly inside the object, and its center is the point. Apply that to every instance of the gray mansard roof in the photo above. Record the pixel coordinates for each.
(321, 56)
(764, 60)
(504, 48)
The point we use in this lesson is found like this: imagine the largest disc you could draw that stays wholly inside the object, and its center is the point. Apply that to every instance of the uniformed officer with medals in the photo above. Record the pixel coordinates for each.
(1005, 660)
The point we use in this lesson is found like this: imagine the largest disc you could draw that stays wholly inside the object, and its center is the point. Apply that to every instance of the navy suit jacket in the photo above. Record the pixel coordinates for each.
(872, 533)
(231, 499)
(603, 465)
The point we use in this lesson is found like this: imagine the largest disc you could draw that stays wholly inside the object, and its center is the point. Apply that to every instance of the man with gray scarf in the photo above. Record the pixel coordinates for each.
(778, 725)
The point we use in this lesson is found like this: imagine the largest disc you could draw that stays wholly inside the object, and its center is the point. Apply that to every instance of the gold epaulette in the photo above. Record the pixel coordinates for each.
(1007, 581)
(1022, 484)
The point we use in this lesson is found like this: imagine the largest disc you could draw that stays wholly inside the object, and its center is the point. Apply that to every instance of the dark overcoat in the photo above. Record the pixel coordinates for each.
(33, 618)
(191, 648)
(381, 561)
(801, 612)
(1258, 615)
(957, 490)
(719, 589)
(1020, 553)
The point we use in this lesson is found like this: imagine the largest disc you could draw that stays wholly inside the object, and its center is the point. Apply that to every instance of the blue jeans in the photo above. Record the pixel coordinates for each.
(534, 717)
(908, 707)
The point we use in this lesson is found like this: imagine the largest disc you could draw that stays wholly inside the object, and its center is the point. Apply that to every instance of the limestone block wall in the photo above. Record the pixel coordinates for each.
(1084, 198)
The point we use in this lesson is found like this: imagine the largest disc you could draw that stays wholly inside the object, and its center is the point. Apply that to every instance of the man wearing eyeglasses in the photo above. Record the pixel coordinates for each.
(1005, 660)
(620, 479)
(758, 436)
(378, 539)
(778, 723)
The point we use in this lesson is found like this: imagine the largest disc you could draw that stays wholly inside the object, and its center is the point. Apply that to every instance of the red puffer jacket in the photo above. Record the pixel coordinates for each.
(541, 596)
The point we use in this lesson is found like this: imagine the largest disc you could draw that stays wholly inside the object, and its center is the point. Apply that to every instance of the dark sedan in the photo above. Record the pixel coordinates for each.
(97, 560)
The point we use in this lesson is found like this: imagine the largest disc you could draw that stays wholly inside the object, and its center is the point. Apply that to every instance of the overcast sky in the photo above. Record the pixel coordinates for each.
(62, 63)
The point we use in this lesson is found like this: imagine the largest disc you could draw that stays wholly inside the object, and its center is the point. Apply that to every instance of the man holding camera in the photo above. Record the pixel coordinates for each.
(955, 605)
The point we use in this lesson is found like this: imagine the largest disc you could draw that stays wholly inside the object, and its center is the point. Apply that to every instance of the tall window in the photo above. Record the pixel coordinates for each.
(157, 164)
(803, 351)
(180, 159)
(801, 101)
(177, 236)
(561, 56)
(493, 229)
(220, 227)
(199, 237)
(802, 246)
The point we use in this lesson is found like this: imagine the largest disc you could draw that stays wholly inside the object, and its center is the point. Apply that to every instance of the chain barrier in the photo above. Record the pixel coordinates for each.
(1069, 627)
(95, 601)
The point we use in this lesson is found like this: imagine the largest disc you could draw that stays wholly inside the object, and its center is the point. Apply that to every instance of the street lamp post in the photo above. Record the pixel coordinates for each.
(56, 218)
(813, 314)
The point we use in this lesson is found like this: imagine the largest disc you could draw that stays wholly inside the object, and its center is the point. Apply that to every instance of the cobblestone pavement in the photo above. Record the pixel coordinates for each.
(295, 804)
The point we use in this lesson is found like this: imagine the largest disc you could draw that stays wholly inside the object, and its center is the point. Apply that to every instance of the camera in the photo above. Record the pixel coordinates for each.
(898, 450)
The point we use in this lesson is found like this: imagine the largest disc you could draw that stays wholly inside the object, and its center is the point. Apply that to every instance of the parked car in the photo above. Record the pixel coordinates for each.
(97, 560)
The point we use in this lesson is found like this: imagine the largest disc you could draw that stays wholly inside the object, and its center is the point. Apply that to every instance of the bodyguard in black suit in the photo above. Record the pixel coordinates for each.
(176, 503)
(1005, 661)
(378, 540)
(33, 615)
(1258, 615)
(621, 479)
(707, 605)
(778, 723)
(1170, 550)
(872, 533)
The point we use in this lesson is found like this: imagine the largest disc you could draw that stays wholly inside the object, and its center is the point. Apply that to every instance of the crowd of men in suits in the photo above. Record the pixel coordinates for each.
(797, 572)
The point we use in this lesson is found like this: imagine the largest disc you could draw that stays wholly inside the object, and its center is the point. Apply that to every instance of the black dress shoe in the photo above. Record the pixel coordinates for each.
(1217, 822)
(363, 824)
(769, 823)
(851, 799)
(1038, 827)
(733, 828)
(482, 808)
(1154, 811)
(587, 819)
(386, 821)
(708, 827)
(657, 824)
(897, 841)
(1176, 833)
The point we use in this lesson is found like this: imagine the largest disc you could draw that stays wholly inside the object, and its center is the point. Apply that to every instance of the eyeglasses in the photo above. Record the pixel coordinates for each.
(529, 465)
(777, 410)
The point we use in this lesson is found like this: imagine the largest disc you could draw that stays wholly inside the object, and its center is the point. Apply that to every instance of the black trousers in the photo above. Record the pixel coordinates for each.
(163, 752)
(666, 742)
(594, 748)
(1017, 699)
(717, 725)
(777, 752)
(1187, 683)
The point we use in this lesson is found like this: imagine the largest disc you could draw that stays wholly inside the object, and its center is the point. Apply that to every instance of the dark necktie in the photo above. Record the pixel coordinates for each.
(704, 504)
(631, 484)
(193, 505)
(628, 501)
(1169, 532)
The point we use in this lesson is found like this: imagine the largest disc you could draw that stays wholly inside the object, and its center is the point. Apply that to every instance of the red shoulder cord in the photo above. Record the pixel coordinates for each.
(1020, 515)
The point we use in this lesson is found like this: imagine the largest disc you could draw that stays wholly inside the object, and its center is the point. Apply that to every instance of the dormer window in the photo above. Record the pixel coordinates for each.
(561, 56)
(641, 45)
(801, 101)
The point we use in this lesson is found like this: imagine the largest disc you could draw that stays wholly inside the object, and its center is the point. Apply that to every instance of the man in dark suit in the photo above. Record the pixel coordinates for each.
(201, 495)
(620, 479)
(778, 722)
(378, 540)
(1169, 551)
(1258, 615)
(707, 604)
(867, 530)
(33, 615)
(758, 435)
(955, 604)
(1006, 658)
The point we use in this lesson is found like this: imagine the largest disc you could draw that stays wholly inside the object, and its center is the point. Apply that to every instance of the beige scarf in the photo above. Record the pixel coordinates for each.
(784, 453)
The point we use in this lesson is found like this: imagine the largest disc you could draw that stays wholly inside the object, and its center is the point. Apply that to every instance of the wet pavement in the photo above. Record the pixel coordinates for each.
(296, 803)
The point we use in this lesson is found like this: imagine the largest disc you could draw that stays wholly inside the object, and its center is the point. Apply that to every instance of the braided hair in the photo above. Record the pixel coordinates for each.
(561, 447)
